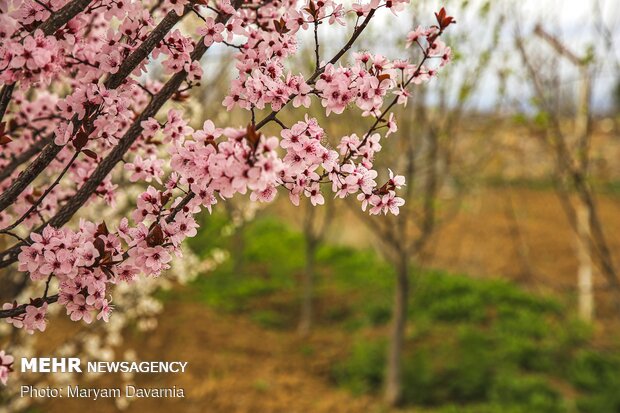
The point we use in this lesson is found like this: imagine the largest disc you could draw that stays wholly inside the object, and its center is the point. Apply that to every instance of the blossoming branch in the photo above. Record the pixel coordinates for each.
(79, 114)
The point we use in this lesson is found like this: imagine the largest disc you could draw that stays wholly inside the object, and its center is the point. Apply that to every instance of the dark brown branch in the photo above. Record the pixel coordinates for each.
(5, 98)
(21, 309)
(142, 52)
(25, 178)
(180, 207)
(23, 157)
(62, 16)
(317, 57)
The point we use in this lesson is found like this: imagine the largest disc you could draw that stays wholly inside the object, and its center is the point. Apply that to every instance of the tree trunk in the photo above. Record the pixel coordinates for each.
(393, 376)
(305, 319)
(584, 281)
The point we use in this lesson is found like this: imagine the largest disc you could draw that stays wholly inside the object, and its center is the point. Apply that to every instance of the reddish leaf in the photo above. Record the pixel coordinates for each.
(102, 229)
(100, 246)
(383, 77)
(81, 138)
(155, 237)
(106, 259)
(252, 136)
(89, 153)
(443, 19)
(5, 139)
(280, 26)
(165, 197)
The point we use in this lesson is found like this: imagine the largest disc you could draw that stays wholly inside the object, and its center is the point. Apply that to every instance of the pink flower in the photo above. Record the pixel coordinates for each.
(152, 260)
(150, 127)
(316, 198)
(208, 133)
(176, 5)
(145, 169)
(86, 254)
(17, 322)
(58, 262)
(29, 260)
(79, 310)
(391, 125)
(156, 258)
(211, 31)
(34, 319)
(416, 36)
(6, 366)
(105, 311)
(183, 227)
(386, 203)
(63, 133)
(396, 180)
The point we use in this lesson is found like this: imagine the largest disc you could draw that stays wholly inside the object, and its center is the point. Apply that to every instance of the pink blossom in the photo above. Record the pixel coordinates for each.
(34, 319)
(6, 366)
(79, 310)
(211, 31)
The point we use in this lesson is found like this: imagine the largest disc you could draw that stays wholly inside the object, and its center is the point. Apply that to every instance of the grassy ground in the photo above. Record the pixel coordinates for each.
(481, 345)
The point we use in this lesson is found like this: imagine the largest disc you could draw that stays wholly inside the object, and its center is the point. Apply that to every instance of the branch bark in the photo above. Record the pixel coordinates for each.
(21, 309)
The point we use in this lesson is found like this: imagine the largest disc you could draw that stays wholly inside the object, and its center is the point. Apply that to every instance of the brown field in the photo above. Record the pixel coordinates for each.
(522, 234)
(234, 366)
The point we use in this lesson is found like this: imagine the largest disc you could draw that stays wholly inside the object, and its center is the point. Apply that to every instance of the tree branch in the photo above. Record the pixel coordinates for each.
(21, 309)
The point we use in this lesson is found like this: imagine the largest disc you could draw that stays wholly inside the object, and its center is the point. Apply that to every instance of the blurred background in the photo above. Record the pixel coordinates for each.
(497, 288)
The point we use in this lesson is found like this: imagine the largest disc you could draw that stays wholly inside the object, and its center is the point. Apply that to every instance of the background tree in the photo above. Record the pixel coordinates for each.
(425, 150)
(568, 133)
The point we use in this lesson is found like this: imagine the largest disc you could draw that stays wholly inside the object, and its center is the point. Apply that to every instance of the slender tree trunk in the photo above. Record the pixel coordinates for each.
(584, 276)
(393, 376)
(307, 297)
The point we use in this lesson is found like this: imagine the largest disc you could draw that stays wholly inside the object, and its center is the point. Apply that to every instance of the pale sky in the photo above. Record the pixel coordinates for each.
(573, 21)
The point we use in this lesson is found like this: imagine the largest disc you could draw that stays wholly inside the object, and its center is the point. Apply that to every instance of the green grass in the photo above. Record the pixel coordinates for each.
(473, 345)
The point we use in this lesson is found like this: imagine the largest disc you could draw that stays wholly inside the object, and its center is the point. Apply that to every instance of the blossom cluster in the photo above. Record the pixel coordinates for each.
(88, 261)
(114, 109)
(29, 60)
(29, 55)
